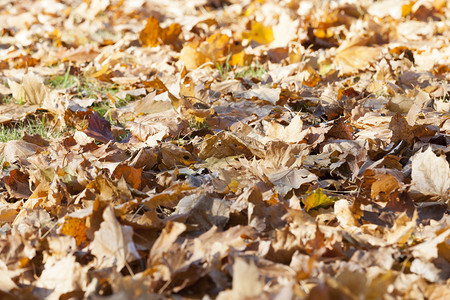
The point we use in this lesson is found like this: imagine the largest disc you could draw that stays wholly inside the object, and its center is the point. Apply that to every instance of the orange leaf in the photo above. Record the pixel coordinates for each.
(131, 175)
(384, 185)
(153, 35)
(75, 227)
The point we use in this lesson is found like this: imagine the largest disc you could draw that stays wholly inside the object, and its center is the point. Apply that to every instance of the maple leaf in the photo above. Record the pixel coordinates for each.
(153, 35)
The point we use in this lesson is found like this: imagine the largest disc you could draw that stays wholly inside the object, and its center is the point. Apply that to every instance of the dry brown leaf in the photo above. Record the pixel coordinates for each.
(203, 211)
(165, 241)
(230, 144)
(241, 121)
(384, 185)
(17, 184)
(113, 243)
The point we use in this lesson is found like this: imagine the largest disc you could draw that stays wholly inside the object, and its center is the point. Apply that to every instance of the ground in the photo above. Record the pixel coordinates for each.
(224, 149)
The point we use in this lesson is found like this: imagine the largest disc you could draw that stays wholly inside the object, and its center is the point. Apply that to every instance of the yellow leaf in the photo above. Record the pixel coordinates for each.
(237, 59)
(101, 72)
(251, 9)
(190, 57)
(260, 34)
(199, 120)
(170, 34)
(323, 33)
(216, 46)
(233, 185)
(214, 49)
(316, 199)
(407, 8)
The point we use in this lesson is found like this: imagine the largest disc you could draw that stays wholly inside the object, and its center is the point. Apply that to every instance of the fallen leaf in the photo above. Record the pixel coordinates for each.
(153, 35)
(402, 229)
(287, 180)
(259, 33)
(75, 227)
(383, 186)
(344, 214)
(113, 243)
(99, 129)
(353, 59)
(317, 199)
(31, 91)
(431, 174)
(61, 277)
(17, 184)
(293, 133)
(247, 281)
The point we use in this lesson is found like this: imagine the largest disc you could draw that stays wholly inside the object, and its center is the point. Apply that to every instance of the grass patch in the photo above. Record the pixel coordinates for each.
(224, 68)
(31, 127)
(254, 71)
(6, 99)
(84, 88)
(101, 108)
(65, 81)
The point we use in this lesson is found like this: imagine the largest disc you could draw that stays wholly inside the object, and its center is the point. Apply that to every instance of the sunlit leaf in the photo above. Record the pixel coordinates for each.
(75, 227)
(153, 35)
(259, 33)
(317, 199)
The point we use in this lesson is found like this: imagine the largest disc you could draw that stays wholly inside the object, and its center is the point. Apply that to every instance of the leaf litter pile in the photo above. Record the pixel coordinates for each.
(225, 149)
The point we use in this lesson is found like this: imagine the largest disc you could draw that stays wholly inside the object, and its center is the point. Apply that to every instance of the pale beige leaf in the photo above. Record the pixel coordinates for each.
(428, 250)
(260, 92)
(287, 180)
(17, 150)
(402, 229)
(293, 133)
(166, 240)
(285, 31)
(431, 174)
(62, 276)
(428, 270)
(353, 59)
(393, 8)
(6, 284)
(31, 91)
(247, 281)
(344, 214)
(113, 243)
